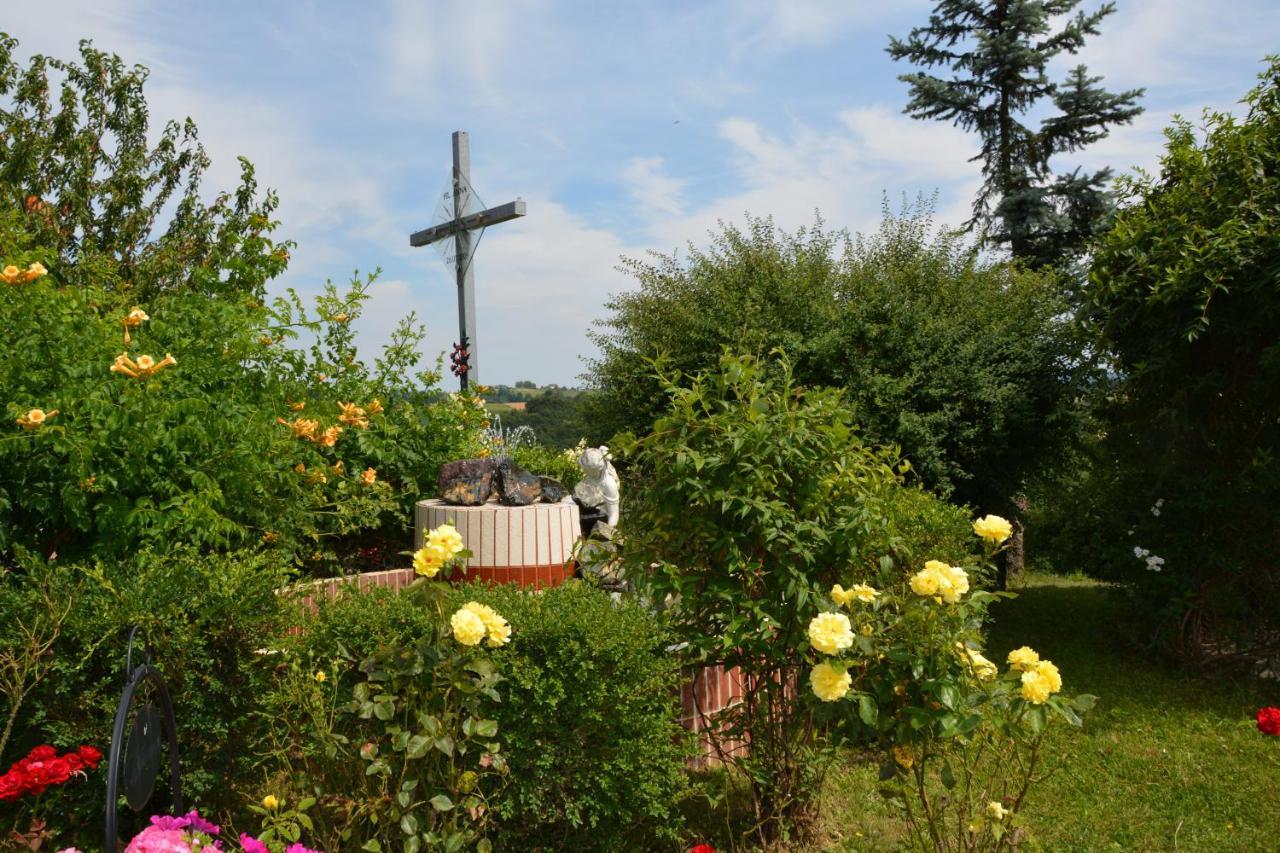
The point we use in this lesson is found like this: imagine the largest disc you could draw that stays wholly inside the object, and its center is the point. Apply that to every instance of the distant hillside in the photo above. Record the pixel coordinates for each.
(554, 413)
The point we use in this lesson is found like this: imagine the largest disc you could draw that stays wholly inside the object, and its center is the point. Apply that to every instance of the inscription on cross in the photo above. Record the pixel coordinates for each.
(463, 226)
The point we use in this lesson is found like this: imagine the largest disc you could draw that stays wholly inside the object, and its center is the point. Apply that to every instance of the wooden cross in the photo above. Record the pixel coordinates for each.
(460, 228)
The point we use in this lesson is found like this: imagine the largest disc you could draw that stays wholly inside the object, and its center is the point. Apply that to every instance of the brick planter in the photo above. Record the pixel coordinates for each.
(529, 545)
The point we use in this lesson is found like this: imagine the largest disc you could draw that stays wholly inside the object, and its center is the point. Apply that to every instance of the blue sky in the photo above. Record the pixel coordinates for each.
(626, 127)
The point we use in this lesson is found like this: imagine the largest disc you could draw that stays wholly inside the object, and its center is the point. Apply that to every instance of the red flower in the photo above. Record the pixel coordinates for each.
(12, 786)
(702, 848)
(90, 756)
(1269, 721)
(43, 768)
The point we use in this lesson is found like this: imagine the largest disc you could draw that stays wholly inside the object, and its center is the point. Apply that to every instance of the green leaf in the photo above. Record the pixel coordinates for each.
(867, 710)
(486, 728)
(1084, 702)
(417, 747)
(409, 825)
(947, 776)
(372, 846)
(441, 803)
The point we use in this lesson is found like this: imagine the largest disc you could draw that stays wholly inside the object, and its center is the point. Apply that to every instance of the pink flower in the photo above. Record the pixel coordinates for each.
(250, 845)
(298, 848)
(153, 839)
(199, 824)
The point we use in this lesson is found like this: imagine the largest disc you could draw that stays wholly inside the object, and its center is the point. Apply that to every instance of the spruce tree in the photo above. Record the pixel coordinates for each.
(997, 52)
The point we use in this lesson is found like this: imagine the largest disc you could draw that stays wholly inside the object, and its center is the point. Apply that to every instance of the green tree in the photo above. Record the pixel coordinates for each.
(76, 162)
(1185, 293)
(998, 52)
(963, 361)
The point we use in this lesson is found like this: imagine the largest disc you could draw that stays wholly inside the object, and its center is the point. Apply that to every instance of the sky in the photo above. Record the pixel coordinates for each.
(626, 127)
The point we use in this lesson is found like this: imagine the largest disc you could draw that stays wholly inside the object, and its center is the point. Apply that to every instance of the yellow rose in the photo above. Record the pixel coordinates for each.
(864, 593)
(925, 582)
(468, 628)
(447, 539)
(830, 632)
(982, 668)
(829, 683)
(996, 810)
(1023, 659)
(270, 803)
(495, 626)
(1040, 682)
(953, 582)
(937, 579)
(428, 560)
(11, 274)
(369, 477)
(35, 271)
(320, 676)
(867, 630)
(993, 528)
(840, 595)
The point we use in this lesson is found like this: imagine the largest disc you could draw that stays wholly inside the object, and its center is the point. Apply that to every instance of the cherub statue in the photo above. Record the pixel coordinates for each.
(599, 484)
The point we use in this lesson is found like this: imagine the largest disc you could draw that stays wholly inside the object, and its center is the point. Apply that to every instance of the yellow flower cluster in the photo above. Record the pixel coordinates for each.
(1040, 682)
(1023, 659)
(830, 682)
(309, 429)
(475, 620)
(993, 528)
(982, 668)
(941, 582)
(143, 368)
(135, 318)
(858, 592)
(442, 545)
(353, 415)
(830, 633)
(35, 418)
(13, 275)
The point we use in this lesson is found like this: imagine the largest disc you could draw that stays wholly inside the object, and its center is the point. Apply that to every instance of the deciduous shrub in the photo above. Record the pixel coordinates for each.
(901, 667)
(1179, 501)
(750, 496)
(588, 720)
(965, 362)
(206, 617)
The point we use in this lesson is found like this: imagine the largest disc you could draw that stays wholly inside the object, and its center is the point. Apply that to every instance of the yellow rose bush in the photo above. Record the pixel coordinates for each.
(404, 729)
(780, 539)
(961, 738)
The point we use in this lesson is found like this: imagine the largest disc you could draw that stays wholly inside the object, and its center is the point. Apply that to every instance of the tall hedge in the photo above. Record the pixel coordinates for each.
(1185, 294)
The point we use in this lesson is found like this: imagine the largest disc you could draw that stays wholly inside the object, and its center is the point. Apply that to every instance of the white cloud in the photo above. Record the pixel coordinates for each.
(785, 24)
(477, 47)
(843, 172)
(654, 190)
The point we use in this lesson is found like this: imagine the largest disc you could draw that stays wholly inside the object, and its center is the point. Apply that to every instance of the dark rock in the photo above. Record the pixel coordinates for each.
(466, 482)
(516, 486)
(552, 490)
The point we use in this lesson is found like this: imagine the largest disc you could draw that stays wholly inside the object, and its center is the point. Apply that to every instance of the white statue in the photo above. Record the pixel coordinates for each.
(599, 484)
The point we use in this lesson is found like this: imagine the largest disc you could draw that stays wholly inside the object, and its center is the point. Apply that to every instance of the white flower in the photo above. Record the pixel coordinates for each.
(1140, 553)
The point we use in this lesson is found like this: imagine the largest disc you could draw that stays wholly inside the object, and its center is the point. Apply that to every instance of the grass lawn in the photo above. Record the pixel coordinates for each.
(1164, 762)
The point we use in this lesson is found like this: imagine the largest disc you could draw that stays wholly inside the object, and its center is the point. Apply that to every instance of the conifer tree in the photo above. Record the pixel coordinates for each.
(997, 53)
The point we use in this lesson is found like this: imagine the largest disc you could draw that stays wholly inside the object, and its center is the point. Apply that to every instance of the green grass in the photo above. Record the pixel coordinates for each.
(1166, 761)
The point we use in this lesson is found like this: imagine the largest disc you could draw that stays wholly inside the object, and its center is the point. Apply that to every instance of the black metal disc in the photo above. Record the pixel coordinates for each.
(142, 756)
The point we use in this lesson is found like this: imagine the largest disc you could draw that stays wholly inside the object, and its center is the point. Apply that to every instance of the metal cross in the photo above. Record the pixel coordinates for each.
(460, 228)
